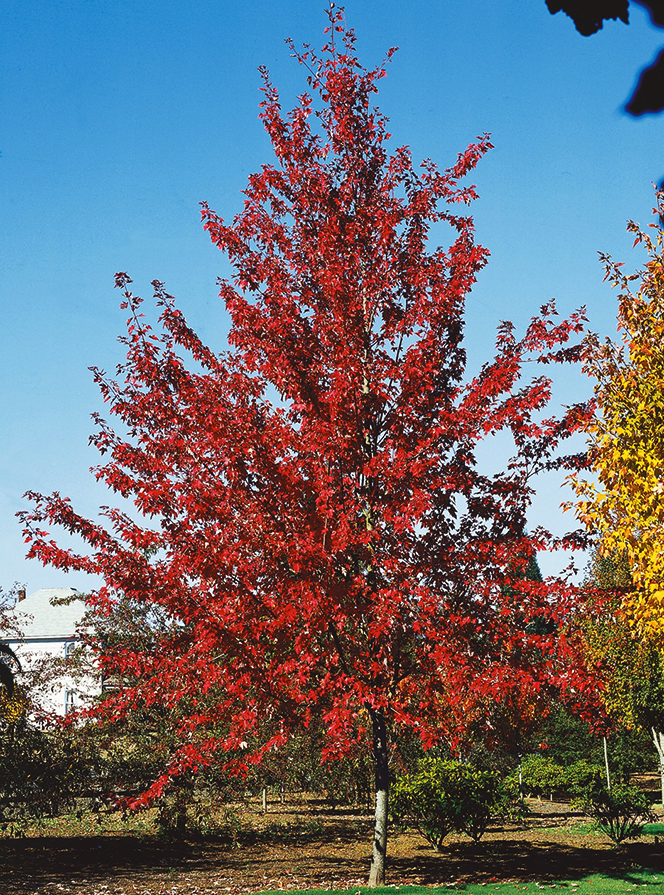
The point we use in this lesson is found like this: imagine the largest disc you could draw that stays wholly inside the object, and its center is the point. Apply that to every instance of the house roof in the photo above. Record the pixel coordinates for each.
(39, 616)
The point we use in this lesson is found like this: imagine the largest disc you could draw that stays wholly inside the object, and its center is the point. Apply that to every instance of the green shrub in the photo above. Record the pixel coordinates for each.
(541, 775)
(509, 804)
(582, 776)
(43, 771)
(621, 812)
(446, 795)
(421, 800)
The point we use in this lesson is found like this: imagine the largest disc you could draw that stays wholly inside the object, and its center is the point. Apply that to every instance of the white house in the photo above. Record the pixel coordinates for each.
(48, 628)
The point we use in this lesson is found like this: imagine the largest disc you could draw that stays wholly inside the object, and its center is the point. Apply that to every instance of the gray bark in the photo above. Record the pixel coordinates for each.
(606, 765)
(379, 850)
(658, 739)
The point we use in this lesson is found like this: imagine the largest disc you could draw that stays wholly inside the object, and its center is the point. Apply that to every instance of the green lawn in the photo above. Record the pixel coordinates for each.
(597, 884)
(654, 829)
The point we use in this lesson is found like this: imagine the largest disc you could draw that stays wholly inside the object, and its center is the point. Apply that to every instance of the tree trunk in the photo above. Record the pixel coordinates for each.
(658, 739)
(184, 795)
(377, 873)
(606, 765)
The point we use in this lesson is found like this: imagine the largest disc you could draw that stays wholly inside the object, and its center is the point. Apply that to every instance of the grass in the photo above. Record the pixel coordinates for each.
(597, 884)
(581, 828)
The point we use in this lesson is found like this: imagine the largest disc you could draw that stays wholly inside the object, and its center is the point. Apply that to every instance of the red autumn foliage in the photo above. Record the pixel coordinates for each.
(310, 516)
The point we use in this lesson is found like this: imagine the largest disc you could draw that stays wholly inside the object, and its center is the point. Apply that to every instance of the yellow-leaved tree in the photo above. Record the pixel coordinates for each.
(624, 504)
(630, 667)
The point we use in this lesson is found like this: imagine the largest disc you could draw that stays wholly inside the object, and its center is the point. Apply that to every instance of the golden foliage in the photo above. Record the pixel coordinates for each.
(625, 505)
(12, 708)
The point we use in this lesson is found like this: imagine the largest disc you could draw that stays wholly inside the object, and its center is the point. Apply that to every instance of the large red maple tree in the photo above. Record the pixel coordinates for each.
(309, 513)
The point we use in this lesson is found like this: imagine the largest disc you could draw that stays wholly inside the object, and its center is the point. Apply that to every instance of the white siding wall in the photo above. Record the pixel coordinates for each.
(48, 630)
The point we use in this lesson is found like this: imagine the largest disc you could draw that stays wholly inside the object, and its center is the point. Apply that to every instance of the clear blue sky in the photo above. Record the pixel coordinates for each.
(117, 118)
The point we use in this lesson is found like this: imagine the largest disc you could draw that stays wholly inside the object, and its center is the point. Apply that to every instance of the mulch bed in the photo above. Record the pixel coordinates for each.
(295, 848)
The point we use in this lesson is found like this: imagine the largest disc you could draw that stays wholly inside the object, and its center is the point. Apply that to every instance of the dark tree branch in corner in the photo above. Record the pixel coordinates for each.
(649, 93)
(589, 17)
(655, 9)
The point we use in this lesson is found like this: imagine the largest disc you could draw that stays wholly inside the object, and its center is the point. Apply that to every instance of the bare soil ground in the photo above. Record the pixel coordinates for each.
(304, 845)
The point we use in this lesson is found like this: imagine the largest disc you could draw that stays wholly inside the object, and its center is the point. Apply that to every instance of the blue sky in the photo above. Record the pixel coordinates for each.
(118, 118)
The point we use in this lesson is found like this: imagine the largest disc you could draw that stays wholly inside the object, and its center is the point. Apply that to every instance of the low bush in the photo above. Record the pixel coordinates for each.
(443, 796)
(581, 776)
(542, 776)
(620, 812)
(43, 771)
